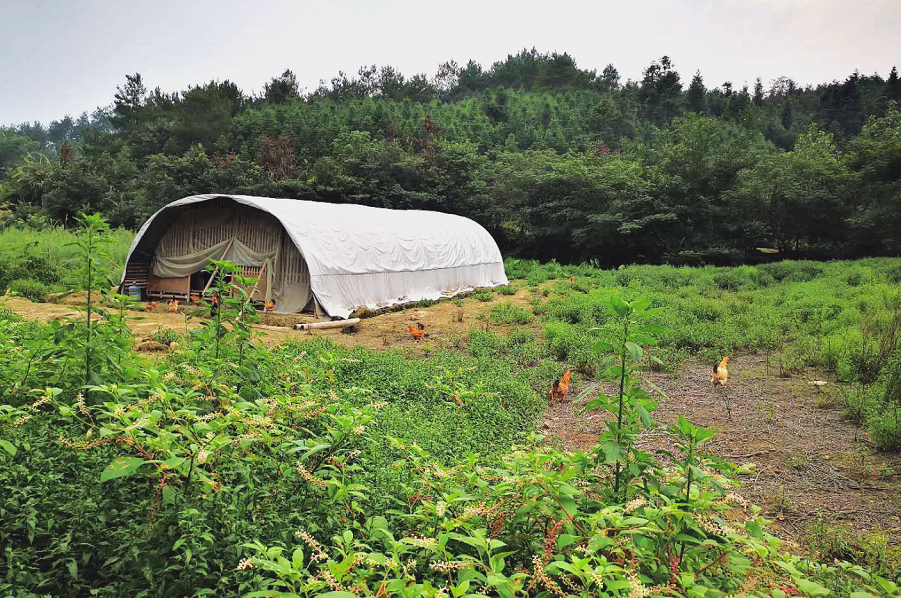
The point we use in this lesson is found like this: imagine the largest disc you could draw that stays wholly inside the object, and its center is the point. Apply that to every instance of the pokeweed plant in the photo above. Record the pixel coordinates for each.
(535, 524)
(631, 406)
(90, 255)
(451, 388)
(231, 319)
(185, 430)
(690, 440)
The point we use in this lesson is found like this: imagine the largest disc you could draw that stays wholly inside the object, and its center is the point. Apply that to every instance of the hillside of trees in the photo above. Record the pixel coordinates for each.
(554, 160)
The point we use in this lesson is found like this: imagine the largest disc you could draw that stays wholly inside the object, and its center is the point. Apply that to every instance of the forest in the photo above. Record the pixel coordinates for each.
(556, 161)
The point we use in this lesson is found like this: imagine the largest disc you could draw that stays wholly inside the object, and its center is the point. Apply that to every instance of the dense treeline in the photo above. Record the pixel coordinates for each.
(556, 161)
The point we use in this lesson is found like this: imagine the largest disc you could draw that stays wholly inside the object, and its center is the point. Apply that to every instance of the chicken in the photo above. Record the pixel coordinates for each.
(270, 305)
(173, 306)
(214, 303)
(195, 298)
(561, 387)
(720, 373)
(153, 305)
(572, 279)
(417, 331)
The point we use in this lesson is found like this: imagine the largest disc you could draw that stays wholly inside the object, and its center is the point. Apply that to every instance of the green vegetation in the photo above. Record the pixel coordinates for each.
(508, 313)
(312, 469)
(557, 162)
(841, 318)
(39, 260)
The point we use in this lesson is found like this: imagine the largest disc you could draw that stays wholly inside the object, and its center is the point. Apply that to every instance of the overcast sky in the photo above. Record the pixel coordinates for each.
(67, 56)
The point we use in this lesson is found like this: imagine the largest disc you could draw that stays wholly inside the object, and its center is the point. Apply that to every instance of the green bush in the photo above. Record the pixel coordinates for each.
(484, 296)
(505, 290)
(30, 289)
(509, 313)
(165, 335)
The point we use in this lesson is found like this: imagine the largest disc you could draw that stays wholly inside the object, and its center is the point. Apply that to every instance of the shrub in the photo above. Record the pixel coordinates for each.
(734, 279)
(505, 290)
(508, 313)
(30, 289)
(484, 296)
(165, 335)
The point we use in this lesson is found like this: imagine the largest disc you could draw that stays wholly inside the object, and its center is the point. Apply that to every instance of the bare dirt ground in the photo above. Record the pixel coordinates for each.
(443, 326)
(806, 458)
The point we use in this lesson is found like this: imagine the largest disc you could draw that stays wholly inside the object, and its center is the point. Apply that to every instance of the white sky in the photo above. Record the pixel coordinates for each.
(62, 57)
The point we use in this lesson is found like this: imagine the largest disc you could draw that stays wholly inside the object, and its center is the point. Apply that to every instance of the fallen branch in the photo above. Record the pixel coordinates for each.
(749, 455)
(326, 325)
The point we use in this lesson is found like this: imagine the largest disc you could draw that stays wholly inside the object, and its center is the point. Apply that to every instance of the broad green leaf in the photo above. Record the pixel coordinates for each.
(120, 466)
(862, 595)
(640, 305)
(687, 539)
(635, 352)
(612, 452)
(789, 567)
(9, 446)
(564, 540)
(620, 307)
(643, 339)
(646, 418)
(753, 530)
(811, 587)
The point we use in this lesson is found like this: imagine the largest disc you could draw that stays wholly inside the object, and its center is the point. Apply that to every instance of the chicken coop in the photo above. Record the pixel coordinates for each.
(312, 256)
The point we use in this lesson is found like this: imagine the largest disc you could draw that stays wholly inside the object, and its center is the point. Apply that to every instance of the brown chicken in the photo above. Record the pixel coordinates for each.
(153, 305)
(720, 373)
(572, 279)
(270, 305)
(417, 331)
(561, 387)
(195, 298)
(173, 306)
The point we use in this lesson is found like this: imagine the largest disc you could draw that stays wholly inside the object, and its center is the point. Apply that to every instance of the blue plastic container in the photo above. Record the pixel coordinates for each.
(134, 292)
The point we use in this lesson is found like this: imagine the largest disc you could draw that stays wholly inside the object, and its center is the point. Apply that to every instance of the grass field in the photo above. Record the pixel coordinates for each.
(36, 263)
(367, 464)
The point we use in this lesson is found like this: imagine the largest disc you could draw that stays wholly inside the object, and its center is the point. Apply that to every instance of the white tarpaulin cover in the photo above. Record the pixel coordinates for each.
(374, 257)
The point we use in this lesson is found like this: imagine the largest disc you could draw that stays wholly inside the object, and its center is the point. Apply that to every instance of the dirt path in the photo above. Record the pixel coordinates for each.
(806, 458)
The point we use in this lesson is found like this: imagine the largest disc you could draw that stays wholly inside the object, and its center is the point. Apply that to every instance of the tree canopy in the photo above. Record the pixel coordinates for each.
(555, 160)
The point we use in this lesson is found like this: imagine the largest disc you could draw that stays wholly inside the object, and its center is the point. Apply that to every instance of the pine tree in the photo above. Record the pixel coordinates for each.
(610, 77)
(129, 101)
(281, 90)
(788, 115)
(758, 92)
(893, 85)
(697, 94)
